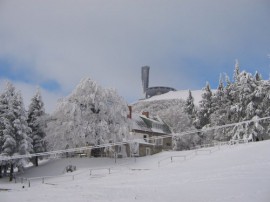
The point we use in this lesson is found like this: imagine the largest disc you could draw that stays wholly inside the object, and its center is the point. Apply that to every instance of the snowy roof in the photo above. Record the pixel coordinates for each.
(155, 124)
(181, 94)
(136, 123)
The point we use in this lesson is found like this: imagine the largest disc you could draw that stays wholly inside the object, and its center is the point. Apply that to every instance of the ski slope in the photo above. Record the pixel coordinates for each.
(229, 173)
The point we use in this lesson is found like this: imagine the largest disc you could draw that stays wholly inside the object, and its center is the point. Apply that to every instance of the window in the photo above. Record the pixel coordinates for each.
(145, 138)
(159, 141)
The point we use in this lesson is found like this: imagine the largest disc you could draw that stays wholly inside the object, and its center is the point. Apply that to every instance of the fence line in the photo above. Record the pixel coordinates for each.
(204, 148)
(93, 169)
(43, 178)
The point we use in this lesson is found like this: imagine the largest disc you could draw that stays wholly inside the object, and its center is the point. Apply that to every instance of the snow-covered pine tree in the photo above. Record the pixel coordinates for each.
(16, 132)
(190, 107)
(8, 142)
(245, 91)
(236, 71)
(3, 105)
(228, 96)
(205, 108)
(23, 132)
(217, 102)
(35, 121)
(257, 76)
(262, 94)
(220, 111)
(255, 130)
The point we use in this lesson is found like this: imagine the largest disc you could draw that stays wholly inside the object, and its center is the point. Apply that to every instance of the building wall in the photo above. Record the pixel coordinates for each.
(153, 149)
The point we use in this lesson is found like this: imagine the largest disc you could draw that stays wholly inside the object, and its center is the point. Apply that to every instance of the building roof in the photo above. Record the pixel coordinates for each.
(153, 124)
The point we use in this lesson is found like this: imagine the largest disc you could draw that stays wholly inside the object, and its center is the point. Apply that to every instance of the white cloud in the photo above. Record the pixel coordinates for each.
(109, 41)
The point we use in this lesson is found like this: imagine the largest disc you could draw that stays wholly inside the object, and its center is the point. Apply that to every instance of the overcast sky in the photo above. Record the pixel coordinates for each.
(55, 43)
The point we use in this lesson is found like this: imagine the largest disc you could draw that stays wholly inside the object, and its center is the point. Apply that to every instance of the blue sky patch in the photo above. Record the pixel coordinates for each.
(50, 85)
(26, 75)
(8, 71)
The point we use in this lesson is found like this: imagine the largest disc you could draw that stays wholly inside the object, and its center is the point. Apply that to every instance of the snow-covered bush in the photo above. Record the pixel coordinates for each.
(185, 142)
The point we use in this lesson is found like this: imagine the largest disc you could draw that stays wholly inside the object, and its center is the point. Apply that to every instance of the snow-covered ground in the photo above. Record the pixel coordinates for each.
(233, 173)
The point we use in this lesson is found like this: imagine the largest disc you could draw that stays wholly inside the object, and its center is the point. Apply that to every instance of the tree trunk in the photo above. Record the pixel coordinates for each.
(1, 171)
(36, 161)
(11, 173)
(5, 170)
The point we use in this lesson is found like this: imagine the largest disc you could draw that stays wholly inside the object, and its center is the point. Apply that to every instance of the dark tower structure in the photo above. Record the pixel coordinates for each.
(152, 91)
(145, 79)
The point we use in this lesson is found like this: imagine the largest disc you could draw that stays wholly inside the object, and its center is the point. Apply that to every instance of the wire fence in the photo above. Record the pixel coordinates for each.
(205, 149)
(81, 149)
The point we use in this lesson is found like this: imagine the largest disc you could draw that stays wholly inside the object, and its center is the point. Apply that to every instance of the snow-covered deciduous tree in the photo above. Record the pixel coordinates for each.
(36, 121)
(90, 115)
(177, 119)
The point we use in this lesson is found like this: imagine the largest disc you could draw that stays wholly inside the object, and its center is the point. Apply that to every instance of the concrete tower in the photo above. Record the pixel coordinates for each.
(145, 78)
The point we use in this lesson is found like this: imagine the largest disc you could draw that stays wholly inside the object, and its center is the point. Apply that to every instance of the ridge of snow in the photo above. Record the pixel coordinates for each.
(181, 94)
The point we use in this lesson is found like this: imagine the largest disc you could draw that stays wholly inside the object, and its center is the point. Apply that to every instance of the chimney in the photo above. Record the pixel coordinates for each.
(129, 116)
(146, 114)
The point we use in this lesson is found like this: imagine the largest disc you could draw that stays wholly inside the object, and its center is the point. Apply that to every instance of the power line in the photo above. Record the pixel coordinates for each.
(80, 149)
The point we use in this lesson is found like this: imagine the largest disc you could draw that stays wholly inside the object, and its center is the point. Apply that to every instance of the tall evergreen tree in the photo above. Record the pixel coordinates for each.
(8, 142)
(35, 121)
(236, 71)
(246, 94)
(190, 107)
(205, 110)
(218, 96)
(16, 132)
(218, 117)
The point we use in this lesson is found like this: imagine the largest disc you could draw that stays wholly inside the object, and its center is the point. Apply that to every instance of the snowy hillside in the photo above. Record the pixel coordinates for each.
(182, 94)
(231, 173)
